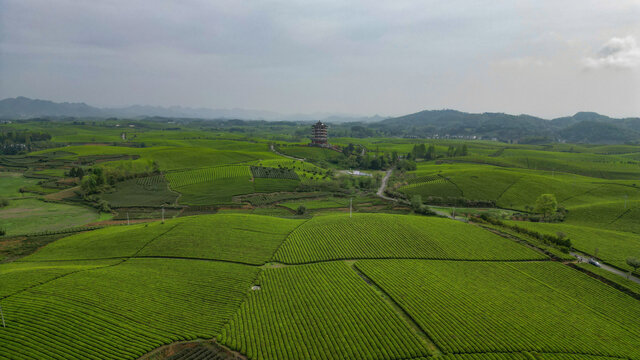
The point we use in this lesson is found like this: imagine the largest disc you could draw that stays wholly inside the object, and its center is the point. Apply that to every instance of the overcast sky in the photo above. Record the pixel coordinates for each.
(545, 58)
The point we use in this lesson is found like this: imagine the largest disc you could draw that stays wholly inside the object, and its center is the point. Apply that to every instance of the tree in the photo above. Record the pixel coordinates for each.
(416, 202)
(634, 263)
(431, 152)
(422, 151)
(301, 210)
(546, 204)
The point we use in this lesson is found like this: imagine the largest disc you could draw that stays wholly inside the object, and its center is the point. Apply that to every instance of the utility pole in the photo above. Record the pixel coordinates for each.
(163, 214)
(350, 206)
(2, 314)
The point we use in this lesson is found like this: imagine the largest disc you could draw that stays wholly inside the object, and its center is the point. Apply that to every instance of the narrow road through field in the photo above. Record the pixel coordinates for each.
(273, 149)
(585, 259)
(381, 194)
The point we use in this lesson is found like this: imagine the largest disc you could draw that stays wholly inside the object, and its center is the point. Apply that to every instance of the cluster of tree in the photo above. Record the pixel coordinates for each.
(93, 181)
(15, 142)
(422, 152)
(345, 184)
(460, 202)
(76, 172)
(4, 202)
(460, 150)
(406, 165)
(545, 209)
(97, 179)
(368, 161)
(419, 207)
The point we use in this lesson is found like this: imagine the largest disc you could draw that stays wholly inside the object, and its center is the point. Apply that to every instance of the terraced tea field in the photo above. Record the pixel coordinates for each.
(375, 236)
(122, 310)
(120, 292)
(336, 316)
(479, 307)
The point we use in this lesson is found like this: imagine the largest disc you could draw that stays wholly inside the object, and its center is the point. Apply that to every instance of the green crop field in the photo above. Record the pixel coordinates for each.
(511, 307)
(620, 280)
(333, 237)
(619, 215)
(335, 316)
(27, 216)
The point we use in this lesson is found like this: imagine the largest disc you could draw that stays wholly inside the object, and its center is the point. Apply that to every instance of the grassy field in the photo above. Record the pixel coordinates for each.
(27, 216)
(511, 307)
(374, 236)
(11, 182)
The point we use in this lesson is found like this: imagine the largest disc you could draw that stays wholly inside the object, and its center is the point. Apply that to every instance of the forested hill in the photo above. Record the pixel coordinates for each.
(582, 127)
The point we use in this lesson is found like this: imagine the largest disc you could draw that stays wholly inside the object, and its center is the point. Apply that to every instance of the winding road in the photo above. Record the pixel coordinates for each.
(273, 149)
(383, 186)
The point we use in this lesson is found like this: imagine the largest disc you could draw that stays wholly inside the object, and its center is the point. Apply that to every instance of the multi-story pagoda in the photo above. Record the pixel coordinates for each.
(319, 135)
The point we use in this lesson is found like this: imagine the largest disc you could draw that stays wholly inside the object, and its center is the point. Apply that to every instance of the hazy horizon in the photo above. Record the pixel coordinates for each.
(541, 58)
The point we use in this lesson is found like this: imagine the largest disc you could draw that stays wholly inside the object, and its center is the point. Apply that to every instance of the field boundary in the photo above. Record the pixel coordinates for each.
(61, 276)
(400, 311)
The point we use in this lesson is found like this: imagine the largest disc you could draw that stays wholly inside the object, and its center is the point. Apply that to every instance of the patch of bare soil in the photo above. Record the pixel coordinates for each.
(203, 349)
(63, 194)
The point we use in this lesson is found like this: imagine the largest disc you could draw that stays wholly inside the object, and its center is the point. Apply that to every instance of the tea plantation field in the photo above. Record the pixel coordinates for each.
(373, 286)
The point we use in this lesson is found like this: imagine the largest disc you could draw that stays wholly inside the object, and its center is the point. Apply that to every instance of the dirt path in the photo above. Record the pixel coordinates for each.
(383, 186)
(273, 149)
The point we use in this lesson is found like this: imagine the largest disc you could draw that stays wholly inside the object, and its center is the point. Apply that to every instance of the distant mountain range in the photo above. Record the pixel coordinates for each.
(25, 108)
(585, 127)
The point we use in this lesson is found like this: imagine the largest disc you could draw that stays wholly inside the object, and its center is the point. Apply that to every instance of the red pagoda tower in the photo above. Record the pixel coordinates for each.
(319, 135)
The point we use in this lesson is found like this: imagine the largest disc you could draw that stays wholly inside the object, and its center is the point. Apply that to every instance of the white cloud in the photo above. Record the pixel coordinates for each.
(616, 53)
